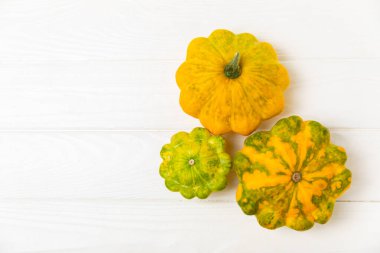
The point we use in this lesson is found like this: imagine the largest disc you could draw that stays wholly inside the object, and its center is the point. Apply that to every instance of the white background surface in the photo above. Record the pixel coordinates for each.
(88, 97)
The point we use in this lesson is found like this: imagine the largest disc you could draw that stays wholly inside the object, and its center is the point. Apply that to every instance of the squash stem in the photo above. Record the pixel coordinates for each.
(232, 69)
(296, 177)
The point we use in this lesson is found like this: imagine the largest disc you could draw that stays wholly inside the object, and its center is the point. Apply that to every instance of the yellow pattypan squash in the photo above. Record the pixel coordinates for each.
(231, 82)
(291, 175)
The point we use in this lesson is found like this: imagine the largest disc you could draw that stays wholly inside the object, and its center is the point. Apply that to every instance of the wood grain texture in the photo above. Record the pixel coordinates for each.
(80, 30)
(88, 98)
(144, 95)
(166, 226)
(124, 165)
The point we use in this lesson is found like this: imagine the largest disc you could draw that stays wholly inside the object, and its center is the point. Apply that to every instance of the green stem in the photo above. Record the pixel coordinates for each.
(232, 69)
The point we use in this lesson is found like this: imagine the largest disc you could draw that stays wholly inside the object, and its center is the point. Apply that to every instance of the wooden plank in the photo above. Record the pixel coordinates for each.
(77, 30)
(124, 165)
(88, 97)
(144, 95)
(186, 226)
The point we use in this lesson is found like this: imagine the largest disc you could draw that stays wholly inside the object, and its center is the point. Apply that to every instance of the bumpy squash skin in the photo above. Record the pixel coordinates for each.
(195, 163)
(268, 161)
(225, 104)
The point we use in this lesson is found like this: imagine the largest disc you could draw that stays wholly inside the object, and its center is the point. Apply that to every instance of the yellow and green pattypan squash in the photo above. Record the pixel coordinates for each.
(291, 175)
(231, 82)
(195, 164)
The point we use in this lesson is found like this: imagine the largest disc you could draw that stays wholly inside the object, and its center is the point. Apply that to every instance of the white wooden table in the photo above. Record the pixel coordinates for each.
(88, 97)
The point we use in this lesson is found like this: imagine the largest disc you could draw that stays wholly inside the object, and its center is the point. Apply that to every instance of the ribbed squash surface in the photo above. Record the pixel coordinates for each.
(291, 175)
(225, 99)
(195, 164)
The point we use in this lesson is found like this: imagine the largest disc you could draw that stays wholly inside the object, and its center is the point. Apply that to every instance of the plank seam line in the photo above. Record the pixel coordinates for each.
(332, 129)
(120, 200)
(174, 60)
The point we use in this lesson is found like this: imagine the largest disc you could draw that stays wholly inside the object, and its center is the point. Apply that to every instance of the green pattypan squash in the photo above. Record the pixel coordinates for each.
(195, 164)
